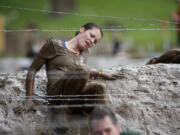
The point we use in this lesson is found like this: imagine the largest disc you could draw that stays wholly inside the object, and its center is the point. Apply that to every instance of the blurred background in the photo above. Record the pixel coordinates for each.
(134, 30)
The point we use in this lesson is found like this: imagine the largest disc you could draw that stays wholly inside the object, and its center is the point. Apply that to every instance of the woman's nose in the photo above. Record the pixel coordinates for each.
(92, 41)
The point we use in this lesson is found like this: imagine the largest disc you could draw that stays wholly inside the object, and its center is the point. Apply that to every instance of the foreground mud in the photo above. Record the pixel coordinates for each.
(146, 99)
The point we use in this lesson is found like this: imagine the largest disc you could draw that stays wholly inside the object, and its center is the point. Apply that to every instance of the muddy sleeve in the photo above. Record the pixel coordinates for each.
(46, 53)
(48, 50)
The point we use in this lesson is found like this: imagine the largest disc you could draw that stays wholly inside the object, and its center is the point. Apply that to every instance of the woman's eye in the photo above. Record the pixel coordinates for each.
(92, 35)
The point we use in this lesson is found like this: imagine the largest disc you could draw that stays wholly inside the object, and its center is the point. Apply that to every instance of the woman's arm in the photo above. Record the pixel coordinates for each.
(36, 65)
(107, 76)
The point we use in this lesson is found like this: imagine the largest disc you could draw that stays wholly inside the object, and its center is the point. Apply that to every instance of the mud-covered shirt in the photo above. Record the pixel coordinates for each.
(59, 60)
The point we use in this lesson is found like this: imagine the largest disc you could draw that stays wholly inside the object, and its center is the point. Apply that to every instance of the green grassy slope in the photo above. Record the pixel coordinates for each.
(132, 14)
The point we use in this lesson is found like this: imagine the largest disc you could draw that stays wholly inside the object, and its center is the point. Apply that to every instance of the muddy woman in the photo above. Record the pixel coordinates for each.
(67, 72)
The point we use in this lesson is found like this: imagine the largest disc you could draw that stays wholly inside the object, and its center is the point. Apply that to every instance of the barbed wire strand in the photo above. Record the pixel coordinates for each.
(74, 97)
(73, 30)
(90, 15)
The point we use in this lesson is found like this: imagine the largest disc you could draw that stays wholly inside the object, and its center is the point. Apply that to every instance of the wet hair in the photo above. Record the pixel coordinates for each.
(91, 25)
(100, 113)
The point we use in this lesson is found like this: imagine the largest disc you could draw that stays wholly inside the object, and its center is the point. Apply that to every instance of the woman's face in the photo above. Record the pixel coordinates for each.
(87, 38)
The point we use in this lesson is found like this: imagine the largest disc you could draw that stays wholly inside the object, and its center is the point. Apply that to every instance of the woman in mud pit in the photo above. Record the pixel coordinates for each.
(67, 71)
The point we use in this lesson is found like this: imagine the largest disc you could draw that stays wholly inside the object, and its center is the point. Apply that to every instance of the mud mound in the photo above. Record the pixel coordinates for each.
(146, 99)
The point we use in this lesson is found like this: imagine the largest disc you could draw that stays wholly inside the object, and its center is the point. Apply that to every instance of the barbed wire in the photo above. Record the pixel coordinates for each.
(58, 99)
(110, 28)
(89, 15)
(77, 97)
(66, 105)
(40, 30)
(80, 105)
(143, 29)
(47, 98)
(89, 95)
(74, 30)
(69, 106)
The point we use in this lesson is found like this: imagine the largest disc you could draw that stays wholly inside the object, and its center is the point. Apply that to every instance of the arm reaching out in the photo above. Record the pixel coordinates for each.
(36, 65)
(107, 76)
(46, 53)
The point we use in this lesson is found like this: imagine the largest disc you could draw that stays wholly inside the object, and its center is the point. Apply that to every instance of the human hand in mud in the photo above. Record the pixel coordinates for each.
(107, 76)
(25, 107)
(112, 76)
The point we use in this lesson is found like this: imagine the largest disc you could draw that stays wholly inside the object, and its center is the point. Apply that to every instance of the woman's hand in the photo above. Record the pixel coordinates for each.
(25, 107)
(107, 76)
(113, 76)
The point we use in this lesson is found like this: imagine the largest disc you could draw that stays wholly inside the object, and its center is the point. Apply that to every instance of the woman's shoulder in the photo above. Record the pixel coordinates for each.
(54, 41)
(51, 48)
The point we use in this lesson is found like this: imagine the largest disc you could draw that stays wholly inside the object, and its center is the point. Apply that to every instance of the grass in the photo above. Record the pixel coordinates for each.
(133, 14)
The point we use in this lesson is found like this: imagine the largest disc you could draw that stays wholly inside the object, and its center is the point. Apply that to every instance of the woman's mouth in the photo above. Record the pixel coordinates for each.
(87, 43)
